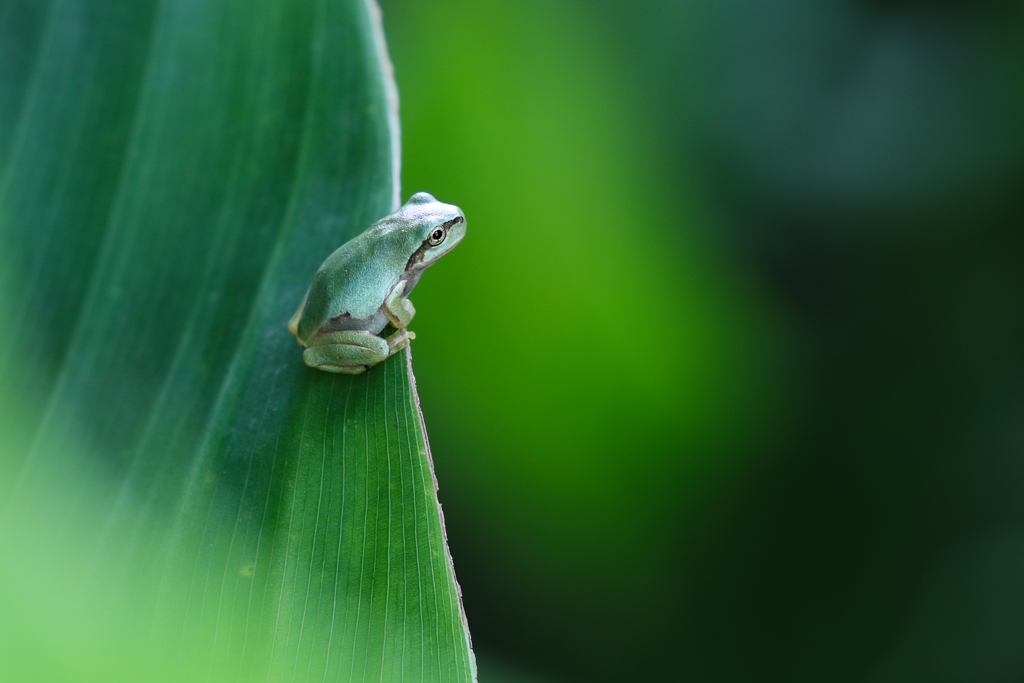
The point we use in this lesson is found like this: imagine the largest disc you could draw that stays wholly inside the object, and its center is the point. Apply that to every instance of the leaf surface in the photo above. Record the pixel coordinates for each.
(172, 175)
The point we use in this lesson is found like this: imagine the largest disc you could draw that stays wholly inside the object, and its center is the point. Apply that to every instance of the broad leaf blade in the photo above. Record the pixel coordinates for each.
(266, 521)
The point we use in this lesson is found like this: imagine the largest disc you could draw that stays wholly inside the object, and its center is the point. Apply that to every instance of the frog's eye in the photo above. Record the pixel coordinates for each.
(437, 236)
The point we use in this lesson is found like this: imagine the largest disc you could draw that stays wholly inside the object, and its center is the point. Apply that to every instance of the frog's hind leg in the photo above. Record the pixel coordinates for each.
(347, 351)
(293, 324)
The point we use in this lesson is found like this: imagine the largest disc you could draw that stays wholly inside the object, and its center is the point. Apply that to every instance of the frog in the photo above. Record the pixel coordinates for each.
(364, 286)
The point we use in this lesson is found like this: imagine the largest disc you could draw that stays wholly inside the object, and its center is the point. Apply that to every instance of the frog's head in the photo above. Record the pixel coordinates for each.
(438, 226)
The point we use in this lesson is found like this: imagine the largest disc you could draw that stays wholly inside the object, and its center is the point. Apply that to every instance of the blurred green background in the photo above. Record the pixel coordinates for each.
(727, 382)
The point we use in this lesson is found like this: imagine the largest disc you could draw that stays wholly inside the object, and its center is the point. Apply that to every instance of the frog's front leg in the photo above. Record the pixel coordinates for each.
(397, 310)
(353, 351)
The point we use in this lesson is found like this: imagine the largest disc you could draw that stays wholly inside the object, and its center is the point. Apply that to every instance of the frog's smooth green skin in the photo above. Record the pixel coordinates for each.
(365, 285)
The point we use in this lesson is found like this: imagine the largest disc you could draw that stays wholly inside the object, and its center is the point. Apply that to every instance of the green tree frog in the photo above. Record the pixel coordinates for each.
(365, 285)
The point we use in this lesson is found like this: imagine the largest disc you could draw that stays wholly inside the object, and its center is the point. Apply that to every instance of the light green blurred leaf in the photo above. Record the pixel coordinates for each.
(181, 497)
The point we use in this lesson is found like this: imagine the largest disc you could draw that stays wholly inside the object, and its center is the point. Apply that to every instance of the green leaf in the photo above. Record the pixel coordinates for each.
(180, 497)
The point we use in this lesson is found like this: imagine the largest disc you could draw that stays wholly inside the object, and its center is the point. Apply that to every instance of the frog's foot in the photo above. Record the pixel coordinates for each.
(397, 310)
(400, 339)
(347, 351)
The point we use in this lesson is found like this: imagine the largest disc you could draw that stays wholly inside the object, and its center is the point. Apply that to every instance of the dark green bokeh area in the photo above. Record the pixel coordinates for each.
(726, 383)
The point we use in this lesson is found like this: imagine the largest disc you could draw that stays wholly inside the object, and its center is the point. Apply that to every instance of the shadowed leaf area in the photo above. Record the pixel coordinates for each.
(180, 497)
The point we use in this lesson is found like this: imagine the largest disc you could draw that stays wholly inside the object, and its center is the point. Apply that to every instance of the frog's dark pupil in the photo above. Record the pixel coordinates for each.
(437, 234)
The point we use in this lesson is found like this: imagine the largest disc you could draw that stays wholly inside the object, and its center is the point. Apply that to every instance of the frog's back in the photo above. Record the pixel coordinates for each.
(350, 286)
